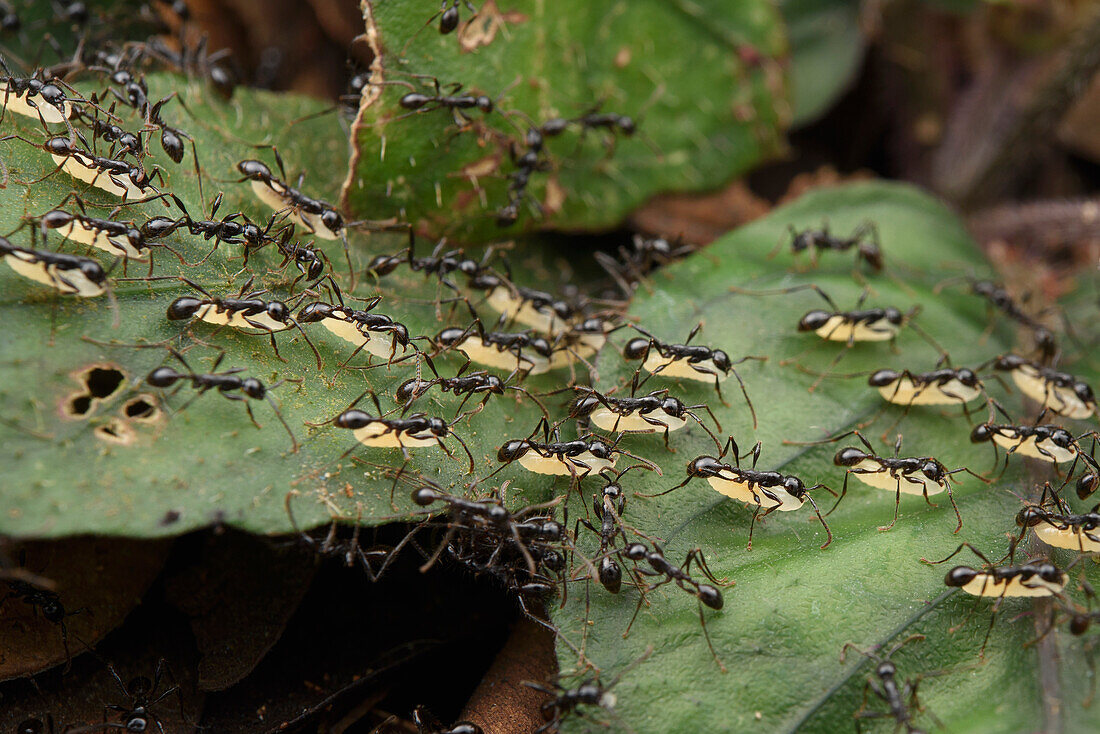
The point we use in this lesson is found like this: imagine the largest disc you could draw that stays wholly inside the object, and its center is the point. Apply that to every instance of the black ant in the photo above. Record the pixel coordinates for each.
(419, 103)
(128, 180)
(688, 361)
(46, 602)
(608, 508)
(516, 352)
(379, 334)
(998, 298)
(22, 95)
(110, 132)
(578, 458)
(766, 490)
(229, 385)
(1054, 524)
(656, 412)
(138, 714)
(171, 138)
(919, 475)
(448, 17)
(350, 549)
(900, 698)
(467, 384)
(864, 239)
(649, 253)
(415, 430)
(527, 164)
(69, 274)
(239, 312)
(1058, 391)
(1037, 577)
(590, 692)
(228, 229)
(1048, 442)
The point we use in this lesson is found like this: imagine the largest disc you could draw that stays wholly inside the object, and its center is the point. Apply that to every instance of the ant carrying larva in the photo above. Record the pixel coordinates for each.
(764, 490)
(467, 384)
(1053, 389)
(687, 361)
(1049, 442)
(652, 413)
(69, 274)
(120, 178)
(413, 431)
(1054, 524)
(519, 352)
(1037, 577)
(379, 335)
(577, 459)
(916, 475)
(39, 99)
(245, 312)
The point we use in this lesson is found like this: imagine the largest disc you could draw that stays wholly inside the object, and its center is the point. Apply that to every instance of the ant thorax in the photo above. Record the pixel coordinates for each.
(118, 245)
(558, 465)
(215, 313)
(275, 194)
(81, 167)
(36, 107)
(514, 307)
(732, 485)
(904, 391)
(1060, 399)
(874, 474)
(68, 281)
(1007, 437)
(680, 367)
(378, 434)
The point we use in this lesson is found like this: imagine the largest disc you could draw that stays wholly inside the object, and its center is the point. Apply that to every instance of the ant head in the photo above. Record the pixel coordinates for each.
(1062, 438)
(332, 220)
(184, 307)
(893, 315)
(172, 144)
(635, 552)
(1083, 392)
(849, 456)
(814, 320)
(933, 469)
(982, 432)
(252, 233)
(353, 419)
(384, 264)
(1079, 625)
(512, 450)
(551, 530)
(138, 177)
(278, 311)
(703, 466)
(600, 450)
(626, 125)
(721, 360)
(254, 170)
(484, 103)
(883, 378)
(886, 669)
(710, 596)
(406, 390)
(424, 496)
(53, 611)
(611, 576)
(11, 22)
(637, 348)
(794, 487)
(594, 325)
(400, 334)
(253, 388)
(1049, 572)
(498, 514)
(507, 214)
(967, 377)
(1087, 484)
(552, 560)
(873, 255)
(162, 377)
(52, 94)
(542, 346)
(137, 721)
(1029, 517)
(135, 235)
(960, 576)
(1009, 362)
(1045, 340)
(93, 271)
(58, 146)
(673, 406)
(314, 312)
(533, 138)
(494, 384)
(450, 337)
(584, 405)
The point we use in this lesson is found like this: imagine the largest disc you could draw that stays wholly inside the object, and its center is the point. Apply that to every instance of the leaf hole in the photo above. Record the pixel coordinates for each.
(78, 405)
(141, 408)
(115, 431)
(103, 381)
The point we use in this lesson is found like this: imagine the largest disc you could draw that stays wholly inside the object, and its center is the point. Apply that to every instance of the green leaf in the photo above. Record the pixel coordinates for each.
(703, 117)
(793, 607)
(203, 462)
(826, 51)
